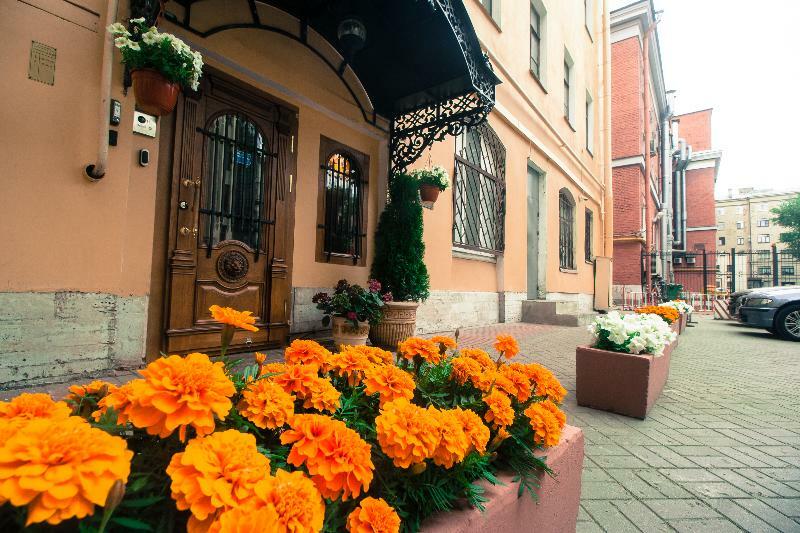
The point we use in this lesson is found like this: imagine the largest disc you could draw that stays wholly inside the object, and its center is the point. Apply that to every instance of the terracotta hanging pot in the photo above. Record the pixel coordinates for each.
(155, 94)
(428, 193)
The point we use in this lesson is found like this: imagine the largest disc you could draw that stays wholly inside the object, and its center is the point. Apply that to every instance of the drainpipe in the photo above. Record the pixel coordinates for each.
(647, 137)
(608, 195)
(95, 171)
(666, 191)
(684, 214)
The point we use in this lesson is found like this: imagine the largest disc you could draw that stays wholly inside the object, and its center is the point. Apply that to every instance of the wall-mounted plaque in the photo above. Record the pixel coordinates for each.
(42, 66)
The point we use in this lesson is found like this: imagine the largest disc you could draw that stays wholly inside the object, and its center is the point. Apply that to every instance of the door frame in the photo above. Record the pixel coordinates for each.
(536, 180)
(165, 221)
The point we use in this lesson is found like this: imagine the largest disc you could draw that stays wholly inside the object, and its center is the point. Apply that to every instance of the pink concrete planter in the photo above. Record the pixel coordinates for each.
(676, 327)
(684, 320)
(622, 383)
(556, 511)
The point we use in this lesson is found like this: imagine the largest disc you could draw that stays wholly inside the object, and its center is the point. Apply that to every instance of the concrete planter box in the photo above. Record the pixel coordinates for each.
(676, 327)
(556, 511)
(683, 321)
(621, 383)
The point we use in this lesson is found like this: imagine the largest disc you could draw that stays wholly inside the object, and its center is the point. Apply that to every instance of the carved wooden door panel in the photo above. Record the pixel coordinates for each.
(233, 163)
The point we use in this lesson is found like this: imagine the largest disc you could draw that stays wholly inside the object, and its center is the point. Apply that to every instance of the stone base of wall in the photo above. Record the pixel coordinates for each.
(55, 336)
(582, 303)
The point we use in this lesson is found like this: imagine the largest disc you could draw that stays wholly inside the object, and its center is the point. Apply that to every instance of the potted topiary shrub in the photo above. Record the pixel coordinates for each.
(431, 181)
(160, 65)
(350, 310)
(398, 263)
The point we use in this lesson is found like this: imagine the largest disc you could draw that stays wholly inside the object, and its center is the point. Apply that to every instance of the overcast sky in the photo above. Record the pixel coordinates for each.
(741, 58)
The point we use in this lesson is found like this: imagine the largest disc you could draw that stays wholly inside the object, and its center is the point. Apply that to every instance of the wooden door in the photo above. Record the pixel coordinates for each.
(234, 160)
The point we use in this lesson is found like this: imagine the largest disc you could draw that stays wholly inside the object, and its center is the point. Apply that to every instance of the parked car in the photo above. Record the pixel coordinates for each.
(777, 310)
(735, 299)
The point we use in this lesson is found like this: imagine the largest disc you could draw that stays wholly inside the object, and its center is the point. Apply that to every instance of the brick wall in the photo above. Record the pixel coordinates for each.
(627, 111)
(696, 129)
(628, 198)
(627, 263)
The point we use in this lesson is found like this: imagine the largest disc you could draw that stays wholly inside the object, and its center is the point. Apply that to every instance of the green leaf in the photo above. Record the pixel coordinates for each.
(131, 523)
(141, 502)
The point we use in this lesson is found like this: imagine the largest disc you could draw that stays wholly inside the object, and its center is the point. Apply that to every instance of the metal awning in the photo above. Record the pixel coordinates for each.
(421, 68)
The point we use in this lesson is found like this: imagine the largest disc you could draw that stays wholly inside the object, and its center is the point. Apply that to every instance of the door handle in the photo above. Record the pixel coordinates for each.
(186, 231)
(191, 182)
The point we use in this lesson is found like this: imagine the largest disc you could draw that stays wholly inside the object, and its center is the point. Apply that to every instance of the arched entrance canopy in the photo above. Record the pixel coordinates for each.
(421, 68)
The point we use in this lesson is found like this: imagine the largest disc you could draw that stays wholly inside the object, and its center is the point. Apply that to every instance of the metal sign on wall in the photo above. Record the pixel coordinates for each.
(42, 66)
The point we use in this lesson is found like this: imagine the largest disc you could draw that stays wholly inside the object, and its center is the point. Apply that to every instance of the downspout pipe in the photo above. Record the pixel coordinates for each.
(666, 197)
(95, 171)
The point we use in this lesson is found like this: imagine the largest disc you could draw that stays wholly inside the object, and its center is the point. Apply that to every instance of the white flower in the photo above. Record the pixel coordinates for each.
(118, 29)
(132, 45)
(642, 333)
(151, 36)
(139, 20)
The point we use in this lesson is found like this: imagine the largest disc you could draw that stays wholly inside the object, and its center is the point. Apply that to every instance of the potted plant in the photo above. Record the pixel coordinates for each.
(350, 310)
(684, 309)
(160, 64)
(398, 263)
(625, 369)
(431, 182)
(668, 314)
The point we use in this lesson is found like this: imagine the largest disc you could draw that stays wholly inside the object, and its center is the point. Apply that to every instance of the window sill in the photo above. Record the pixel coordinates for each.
(473, 255)
(568, 270)
(538, 81)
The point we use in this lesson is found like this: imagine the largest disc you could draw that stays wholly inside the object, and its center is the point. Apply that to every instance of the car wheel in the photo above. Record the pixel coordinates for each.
(787, 323)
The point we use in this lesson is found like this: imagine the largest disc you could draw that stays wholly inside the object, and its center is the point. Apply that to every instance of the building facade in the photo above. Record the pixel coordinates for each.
(106, 273)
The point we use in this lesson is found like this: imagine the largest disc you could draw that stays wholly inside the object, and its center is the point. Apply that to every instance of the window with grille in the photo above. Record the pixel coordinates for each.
(763, 223)
(341, 214)
(566, 233)
(479, 190)
(739, 240)
(536, 42)
(763, 238)
(587, 237)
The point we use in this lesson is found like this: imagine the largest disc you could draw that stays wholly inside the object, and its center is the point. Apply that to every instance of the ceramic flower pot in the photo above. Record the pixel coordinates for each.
(399, 322)
(428, 193)
(155, 94)
(345, 333)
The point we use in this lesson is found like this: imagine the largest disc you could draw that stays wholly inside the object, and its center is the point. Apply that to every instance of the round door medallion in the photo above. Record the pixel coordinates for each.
(232, 266)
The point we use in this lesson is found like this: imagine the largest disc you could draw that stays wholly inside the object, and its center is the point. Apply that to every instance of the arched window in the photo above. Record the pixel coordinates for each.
(342, 194)
(479, 190)
(566, 230)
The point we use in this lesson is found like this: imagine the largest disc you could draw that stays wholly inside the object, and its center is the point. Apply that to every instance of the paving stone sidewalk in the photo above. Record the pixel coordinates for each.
(719, 452)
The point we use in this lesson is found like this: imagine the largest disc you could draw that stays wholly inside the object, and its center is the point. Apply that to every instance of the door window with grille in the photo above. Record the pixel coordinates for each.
(341, 227)
(233, 192)
(566, 230)
(479, 190)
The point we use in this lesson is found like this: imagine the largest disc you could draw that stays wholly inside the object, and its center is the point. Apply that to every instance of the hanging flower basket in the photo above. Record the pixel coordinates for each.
(432, 181)
(155, 94)
(428, 192)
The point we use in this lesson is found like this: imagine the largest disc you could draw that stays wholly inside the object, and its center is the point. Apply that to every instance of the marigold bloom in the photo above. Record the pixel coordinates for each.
(297, 379)
(485, 380)
(349, 363)
(246, 520)
(216, 472)
(61, 468)
(336, 457)
(260, 358)
(178, 392)
(232, 317)
(118, 398)
(500, 412)
(373, 515)
(296, 500)
(507, 345)
(305, 352)
(546, 383)
(416, 347)
(474, 428)
(519, 382)
(375, 355)
(448, 342)
(464, 368)
(390, 383)
(273, 368)
(31, 406)
(266, 404)
(546, 422)
(453, 441)
(322, 396)
(478, 355)
(669, 314)
(96, 388)
(407, 433)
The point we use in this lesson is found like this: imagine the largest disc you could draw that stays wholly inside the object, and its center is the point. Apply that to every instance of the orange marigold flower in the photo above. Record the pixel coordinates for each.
(96, 388)
(245, 520)
(336, 457)
(453, 441)
(375, 355)
(546, 384)
(474, 428)
(297, 379)
(416, 347)
(349, 363)
(260, 358)
(478, 355)
(118, 398)
(500, 412)
(232, 317)
(178, 392)
(305, 352)
(322, 396)
(448, 342)
(546, 422)
(273, 368)
(486, 379)
(266, 404)
(61, 468)
(407, 433)
(464, 368)
(507, 345)
(30, 406)
(669, 314)
(296, 500)
(520, 383)
(390, 382)
(216, 472)
(373, 515)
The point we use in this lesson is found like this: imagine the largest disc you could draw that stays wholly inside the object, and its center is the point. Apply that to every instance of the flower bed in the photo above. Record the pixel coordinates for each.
(684, 309)
(359, 440)
(626, 369)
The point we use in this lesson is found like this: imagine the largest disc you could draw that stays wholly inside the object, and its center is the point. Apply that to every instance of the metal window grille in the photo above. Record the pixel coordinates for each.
(536, 41)
(479, 190)
(588, 232)
(343, 218)
(566, 222)
(235, 170)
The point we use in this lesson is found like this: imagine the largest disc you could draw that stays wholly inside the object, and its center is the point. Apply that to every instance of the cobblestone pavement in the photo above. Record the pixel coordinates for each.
(719, 452)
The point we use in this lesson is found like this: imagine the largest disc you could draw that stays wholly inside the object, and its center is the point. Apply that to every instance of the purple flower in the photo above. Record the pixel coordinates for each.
(351, 315)
(387, 297)
(320, 297)
(374, 285)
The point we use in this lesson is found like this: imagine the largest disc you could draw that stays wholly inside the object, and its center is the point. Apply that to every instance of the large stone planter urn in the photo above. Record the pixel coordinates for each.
(621, 383)
(555, 512)
(398, 323)
(345, 333)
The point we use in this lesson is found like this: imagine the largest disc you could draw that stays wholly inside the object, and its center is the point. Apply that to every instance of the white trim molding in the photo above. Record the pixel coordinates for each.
(702, 228)
(628, 161)
(705, 159)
